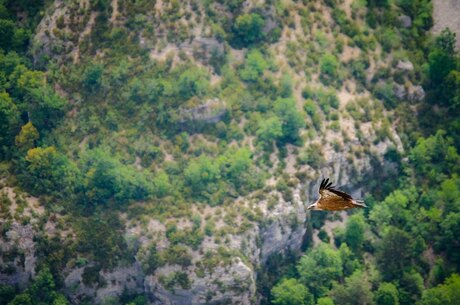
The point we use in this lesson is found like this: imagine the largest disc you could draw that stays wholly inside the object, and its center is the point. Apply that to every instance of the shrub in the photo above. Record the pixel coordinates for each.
(176, 254)
(290, 292)
(108, 179)
(384, 91)
(291, 118)
(312, 156)
(254, 66)
(389, 39)
(248, 29)
(176, 278)
(329, 66)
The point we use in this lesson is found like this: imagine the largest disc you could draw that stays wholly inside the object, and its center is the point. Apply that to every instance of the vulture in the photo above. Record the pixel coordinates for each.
(331, 199)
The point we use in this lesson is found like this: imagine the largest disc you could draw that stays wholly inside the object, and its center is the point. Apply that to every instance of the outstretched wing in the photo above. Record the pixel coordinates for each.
(327, 187)
(324, 184)
(333, 199)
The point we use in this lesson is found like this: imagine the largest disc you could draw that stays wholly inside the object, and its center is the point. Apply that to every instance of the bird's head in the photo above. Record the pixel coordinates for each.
(313, 206)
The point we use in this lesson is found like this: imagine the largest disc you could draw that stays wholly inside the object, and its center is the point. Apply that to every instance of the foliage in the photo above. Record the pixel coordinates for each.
(291, 292)
(100, 238)
(27, 137)
(269, 130)
(447, 293)
(7, 293)
(325, 301)
(385, 92)
(354, 232)
(9, 121)
(387, 294)
(390, 39)
(329, 67)
(193, 82)
(103, 137)
(41, 291)
(107, 178)
(50, 172)
(291, 118)
(174, 279)
(201, 174)
(356, 290)
(254, 66)
(248, 29)
(394, 253)
(319, 268)
(443, 70)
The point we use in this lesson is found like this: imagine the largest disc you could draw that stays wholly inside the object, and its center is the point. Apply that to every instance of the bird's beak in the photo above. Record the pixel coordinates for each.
(311, 206)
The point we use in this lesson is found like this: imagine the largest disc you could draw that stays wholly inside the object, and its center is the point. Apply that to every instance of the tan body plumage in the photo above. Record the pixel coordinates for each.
(331, 199)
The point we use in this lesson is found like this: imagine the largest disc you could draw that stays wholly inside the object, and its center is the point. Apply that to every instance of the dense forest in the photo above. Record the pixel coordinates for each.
(153, 147)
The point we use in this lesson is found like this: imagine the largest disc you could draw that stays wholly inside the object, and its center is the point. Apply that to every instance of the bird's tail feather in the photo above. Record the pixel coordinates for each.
(360, 203)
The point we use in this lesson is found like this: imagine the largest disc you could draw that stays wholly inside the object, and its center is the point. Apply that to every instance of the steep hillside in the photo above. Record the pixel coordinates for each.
(162, 151)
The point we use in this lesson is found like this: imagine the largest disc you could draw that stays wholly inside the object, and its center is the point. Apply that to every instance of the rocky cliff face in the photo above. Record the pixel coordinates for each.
(230, 279)
(222, 269)
(18, 223)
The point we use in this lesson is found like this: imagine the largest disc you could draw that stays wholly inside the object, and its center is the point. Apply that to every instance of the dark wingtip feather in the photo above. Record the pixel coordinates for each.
(324, 184)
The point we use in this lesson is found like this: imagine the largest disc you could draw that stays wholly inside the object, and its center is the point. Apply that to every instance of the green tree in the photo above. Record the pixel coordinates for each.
(440, 64)
(319, 267)
(446, 41)
(92, 77)
(354, 233)
(45, 107)
(325, 301)
(448, 241)
(200, 173)
(291, 292)
(7, 33)
(442, 60)
(235, 164)
(42, 291)
(193, 82)
(9, 122)
(248, 29)
(387, 294)
(162, 184)
(291, 118)
(329, 66)
(451, 90)
(27, 137)
(101, 239)
(389, 39)
(394, 210)
(349, 261)
(35, 97)
(29, 79)
(7, 293)
(434, 156)
(108, 179)
(139, 300)
(254, 66)
(444, 294)
(410, 287)
(269, 130)
(286, 85)
(394, 253)
(50, 172)
(385, 92)
(355, 291)
(152, 261)
(22, 299)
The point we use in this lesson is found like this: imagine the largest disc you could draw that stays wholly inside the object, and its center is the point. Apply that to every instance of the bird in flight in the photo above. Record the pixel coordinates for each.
(331, 199)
